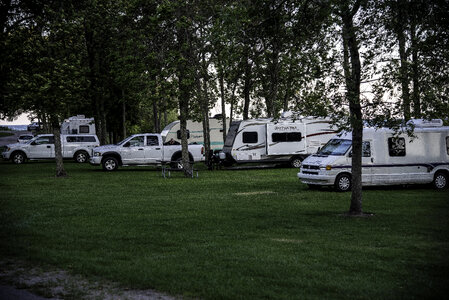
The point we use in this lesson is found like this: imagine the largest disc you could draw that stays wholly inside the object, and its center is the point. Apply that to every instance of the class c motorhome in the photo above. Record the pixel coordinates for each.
(388, 158)
(275, 141)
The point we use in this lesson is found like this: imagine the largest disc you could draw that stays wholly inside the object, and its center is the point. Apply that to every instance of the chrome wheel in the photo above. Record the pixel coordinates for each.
(18, 158)
(440, 181)
(81, 157)
(296, 162)
(110, 164)
(343, 183)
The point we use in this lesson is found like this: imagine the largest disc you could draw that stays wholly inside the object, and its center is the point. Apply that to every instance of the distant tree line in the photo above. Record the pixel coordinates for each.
(136, 65)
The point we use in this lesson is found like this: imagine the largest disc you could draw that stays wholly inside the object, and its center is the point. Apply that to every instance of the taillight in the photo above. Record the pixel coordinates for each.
(202, 150)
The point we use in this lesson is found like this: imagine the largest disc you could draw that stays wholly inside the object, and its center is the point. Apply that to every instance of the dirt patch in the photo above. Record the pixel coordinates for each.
(58, 284)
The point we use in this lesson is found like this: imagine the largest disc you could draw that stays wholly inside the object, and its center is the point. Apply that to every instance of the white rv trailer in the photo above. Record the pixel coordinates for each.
(78, 125)
(388, 158)
(195, 132)
(275, 141)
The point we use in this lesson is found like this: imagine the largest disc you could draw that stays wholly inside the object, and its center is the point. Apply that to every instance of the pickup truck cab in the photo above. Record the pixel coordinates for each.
(142, 149)
(42, 146)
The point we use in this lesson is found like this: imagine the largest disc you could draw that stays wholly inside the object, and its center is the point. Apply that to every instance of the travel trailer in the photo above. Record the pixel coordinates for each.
(195, 132)
(78, 125)
(275, 141)
(389, 158)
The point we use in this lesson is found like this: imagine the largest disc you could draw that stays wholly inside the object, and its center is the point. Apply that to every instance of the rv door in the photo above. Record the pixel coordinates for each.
(286, 139)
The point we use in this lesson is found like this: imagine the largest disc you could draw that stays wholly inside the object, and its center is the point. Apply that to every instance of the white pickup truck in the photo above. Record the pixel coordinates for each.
(143, 149)
(76, 146)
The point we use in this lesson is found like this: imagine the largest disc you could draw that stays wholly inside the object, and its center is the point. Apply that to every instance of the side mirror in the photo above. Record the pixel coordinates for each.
(127, 144)
(319, 148)
(350, 153)
(33, 143)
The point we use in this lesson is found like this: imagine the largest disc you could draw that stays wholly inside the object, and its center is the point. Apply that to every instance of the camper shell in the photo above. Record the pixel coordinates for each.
(78, 125)
(388, 158)
(275, 140)
(172, 132)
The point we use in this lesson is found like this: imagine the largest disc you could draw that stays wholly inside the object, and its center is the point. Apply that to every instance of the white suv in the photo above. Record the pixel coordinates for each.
(74, 146)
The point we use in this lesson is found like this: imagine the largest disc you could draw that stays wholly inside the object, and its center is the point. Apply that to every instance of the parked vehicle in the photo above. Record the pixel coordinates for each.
(35, 126)
(195, 132)
(389, 158)
(275, 141)
(23, 138)
(42, 146)
(143, 149)
(78, 125)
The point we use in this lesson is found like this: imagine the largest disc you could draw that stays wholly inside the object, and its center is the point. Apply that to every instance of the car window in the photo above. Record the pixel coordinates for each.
(136, 141)
(44, 140)
(152, 140)
(396, 146)
(249, 137)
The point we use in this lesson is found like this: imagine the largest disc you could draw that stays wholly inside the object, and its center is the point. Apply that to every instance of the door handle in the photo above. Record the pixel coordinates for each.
(158, 148)
(48, 146)
(140, 149)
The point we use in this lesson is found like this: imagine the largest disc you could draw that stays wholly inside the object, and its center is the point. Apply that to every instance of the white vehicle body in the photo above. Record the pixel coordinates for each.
(388, 158)
(195, 132)
(78, 125)
(273, 141)
(42, 146)
(142, 149)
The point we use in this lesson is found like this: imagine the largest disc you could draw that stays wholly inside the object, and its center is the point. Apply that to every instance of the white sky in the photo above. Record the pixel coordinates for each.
(21, 120)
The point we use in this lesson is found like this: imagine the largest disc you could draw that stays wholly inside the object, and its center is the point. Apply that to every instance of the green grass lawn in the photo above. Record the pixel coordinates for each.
(230, 234)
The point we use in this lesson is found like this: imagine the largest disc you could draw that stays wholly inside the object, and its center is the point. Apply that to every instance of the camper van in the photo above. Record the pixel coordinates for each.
(275, 141)
(78, 125)
(388, 158)
(172, 132)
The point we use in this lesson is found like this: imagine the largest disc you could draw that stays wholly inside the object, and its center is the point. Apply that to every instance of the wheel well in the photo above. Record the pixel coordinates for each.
(444, 171)
(178, 154)
(18, 151)
(81, 150)
(296, 156)
(343, 173)
(112, 154)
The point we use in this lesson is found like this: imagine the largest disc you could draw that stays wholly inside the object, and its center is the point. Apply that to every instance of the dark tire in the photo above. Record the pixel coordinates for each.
(110, 164)
(343, 183)
(296, 162)
(440, 181)
(81, 157)
(18, 157)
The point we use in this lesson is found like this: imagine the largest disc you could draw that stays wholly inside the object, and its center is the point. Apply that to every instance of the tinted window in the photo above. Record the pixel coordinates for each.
(366, 149)
(250, 137)
(81, 139)
(396, 146)
(286, 137)
(178, 134)
(447, 144)
(136, 141)
(84, 129)
(152, 140)
(45, 140)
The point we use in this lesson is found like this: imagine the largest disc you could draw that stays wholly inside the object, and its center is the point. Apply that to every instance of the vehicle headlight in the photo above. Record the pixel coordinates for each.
(97, 153)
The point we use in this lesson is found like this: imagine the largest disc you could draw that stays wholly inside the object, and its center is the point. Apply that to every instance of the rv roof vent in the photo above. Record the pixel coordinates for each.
(426, 123)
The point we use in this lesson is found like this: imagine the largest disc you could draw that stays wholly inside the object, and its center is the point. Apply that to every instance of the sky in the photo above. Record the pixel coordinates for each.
(21, 120)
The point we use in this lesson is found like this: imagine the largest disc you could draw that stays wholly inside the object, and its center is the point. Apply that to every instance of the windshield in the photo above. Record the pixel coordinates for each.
(123, 141)
(335, 147)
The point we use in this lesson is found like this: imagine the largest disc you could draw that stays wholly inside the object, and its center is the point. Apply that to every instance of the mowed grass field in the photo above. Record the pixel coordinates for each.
(229, 234)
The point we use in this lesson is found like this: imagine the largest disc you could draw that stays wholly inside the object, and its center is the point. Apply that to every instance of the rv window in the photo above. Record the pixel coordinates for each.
(178, 134)
(250, 137)
(84, 129)
(366, 149)
(447, 144)
(396, 146)
(152, 140)
(81, 139)
(286, 137)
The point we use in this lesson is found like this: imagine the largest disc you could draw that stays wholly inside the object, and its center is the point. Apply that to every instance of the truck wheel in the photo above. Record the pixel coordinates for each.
(343, 183)
(81, 156)
(110, 164)
(296, 162)
(18, 158)
(440, 181)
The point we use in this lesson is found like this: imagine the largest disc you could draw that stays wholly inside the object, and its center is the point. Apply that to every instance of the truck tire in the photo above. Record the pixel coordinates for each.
(81, 156)
(440, 181)
(18, 157)
(296, 162)
(343, 183)
(110, 164)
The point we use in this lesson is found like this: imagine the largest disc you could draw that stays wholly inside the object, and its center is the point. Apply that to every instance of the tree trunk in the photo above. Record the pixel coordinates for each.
(247, 87)
(403, 69)
(415, 70)
(223, 104)
(123, 114)
(60, 171)
(352, 70)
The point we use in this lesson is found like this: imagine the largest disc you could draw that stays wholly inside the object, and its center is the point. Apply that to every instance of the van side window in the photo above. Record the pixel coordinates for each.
(286, 137)
(447, 144)
(178, 134)
(152, 140)
(396, 146)
(366, 149)
(249, 137)
(84, 129)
